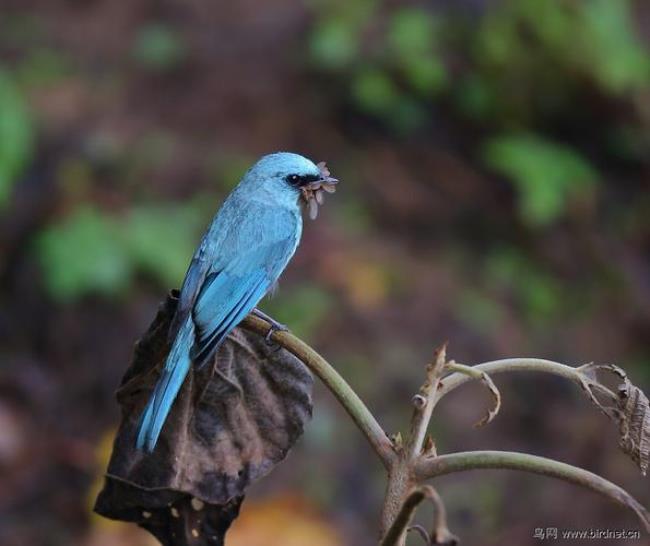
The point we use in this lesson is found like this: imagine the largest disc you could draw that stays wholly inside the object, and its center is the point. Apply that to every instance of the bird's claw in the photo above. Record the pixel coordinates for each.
(274, 327)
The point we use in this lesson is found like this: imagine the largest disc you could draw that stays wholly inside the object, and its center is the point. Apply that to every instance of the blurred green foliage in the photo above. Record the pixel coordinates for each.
(537, 293)
(386, 78)
(546, 176)
(530, 59)
(512, 53)
(94, 252)
(43, 66)
(82, 255)
(16, 136)
(522, 65)
(303, 308)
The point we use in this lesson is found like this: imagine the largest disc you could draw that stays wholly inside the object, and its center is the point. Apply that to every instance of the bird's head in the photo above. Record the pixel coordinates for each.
(295, 176)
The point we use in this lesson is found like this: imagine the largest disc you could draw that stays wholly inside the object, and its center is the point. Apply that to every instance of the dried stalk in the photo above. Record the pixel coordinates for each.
(473, 460)
(440, 533)
(411, 461)
(401, 478)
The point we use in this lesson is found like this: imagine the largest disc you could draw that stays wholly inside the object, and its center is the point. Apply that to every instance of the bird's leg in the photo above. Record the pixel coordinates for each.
(275, 325)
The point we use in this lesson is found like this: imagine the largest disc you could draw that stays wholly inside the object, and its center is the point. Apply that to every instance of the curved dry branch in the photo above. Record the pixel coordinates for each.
(576, 375)
(349, 399)
(472, 460)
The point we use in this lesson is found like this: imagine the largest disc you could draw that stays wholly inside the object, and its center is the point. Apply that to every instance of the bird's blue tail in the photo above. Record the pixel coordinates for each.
(163, 396)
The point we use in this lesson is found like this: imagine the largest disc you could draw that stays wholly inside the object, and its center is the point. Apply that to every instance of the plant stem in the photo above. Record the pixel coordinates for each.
(424, 403)
(410, 464)
(440, 533)
(452, 381)
(349, 399)
(472, 460)
(400, 476)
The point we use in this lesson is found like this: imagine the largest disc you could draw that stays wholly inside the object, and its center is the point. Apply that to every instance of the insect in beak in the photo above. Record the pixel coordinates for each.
(313, 193)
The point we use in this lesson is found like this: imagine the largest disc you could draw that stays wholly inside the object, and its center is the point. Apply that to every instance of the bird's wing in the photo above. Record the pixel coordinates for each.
(228, 295)
(194, 279)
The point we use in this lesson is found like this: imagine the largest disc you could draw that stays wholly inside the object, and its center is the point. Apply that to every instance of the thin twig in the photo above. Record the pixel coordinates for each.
(352, 404)
(472, 460)
(455, 380)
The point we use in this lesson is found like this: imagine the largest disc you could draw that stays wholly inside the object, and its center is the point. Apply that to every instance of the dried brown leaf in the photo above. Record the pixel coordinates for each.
(630, 409)
(230, 425)
(496, 397)
(634, 425)
(489, 384)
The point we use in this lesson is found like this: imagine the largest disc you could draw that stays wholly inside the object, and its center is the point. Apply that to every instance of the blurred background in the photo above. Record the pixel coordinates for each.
(495, 167)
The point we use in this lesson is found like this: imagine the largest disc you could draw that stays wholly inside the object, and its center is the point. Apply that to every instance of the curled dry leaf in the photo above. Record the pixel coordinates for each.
(496, 398)
(630, 409)
(635, 424)
(489, 384)
(230, 425)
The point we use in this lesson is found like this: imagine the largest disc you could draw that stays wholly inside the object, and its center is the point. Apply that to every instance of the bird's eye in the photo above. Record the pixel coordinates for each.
(298, 180)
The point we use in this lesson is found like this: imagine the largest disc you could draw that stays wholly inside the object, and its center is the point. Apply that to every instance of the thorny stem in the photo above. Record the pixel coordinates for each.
(423, 404)
(400, 477)
(349, 399)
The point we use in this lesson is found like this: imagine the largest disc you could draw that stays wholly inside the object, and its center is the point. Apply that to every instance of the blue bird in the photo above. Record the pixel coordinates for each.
(249, 243)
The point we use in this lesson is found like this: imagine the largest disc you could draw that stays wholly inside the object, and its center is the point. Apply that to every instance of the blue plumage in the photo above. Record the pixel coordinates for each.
(242, 254)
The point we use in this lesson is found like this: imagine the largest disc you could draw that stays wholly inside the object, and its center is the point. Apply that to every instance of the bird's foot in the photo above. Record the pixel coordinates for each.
(275, 326)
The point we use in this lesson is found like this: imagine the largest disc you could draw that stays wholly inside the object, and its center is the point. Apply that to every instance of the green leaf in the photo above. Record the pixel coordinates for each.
(546, 175)
(334, 43)
(160, 241)
(374, 91)
(82, 255)
(16, 136)
(412, 38)
(91, 252)
(610, 44)
(427, 75)
(412, 32)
